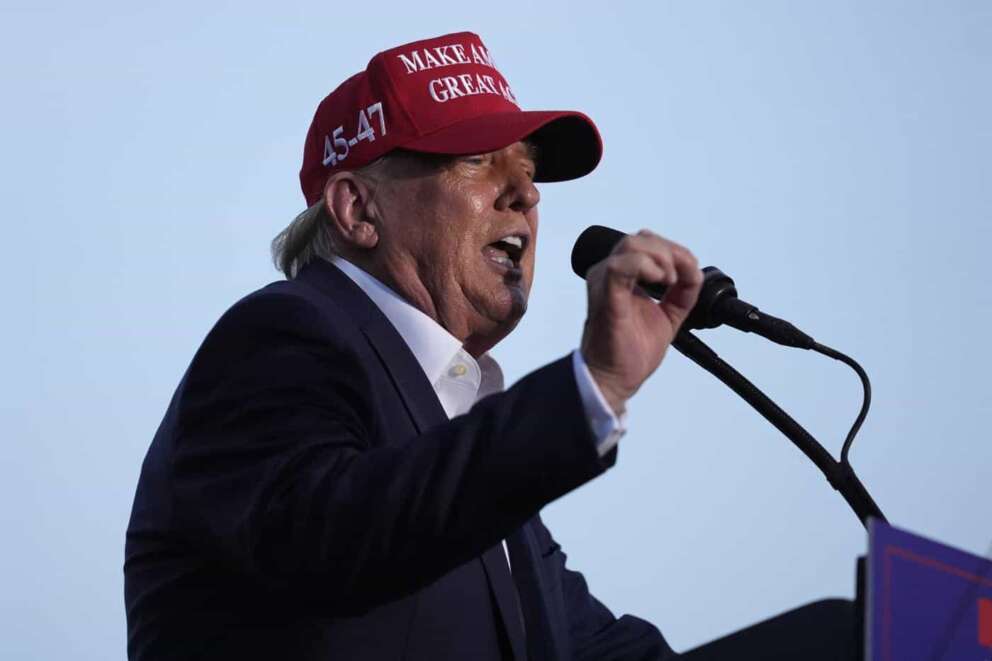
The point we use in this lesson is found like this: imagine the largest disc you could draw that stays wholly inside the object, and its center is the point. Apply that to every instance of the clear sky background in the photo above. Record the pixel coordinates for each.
(834, 158)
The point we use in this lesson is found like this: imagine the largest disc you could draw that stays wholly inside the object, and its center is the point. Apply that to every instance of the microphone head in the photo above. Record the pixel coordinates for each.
(593, 246)
(597, 242)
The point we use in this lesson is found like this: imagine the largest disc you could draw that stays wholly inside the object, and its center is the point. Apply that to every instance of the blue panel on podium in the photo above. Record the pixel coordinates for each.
(926, 601)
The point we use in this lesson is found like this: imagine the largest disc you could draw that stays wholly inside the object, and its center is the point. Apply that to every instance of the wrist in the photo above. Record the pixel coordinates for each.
(614, 394)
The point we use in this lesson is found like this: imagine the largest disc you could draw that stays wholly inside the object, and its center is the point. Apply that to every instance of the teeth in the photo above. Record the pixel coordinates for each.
(513, 241)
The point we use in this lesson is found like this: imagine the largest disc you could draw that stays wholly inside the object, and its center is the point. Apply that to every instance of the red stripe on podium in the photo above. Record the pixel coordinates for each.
(985, 622)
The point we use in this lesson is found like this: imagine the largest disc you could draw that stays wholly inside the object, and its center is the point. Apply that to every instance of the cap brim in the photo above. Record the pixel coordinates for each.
(568, 143)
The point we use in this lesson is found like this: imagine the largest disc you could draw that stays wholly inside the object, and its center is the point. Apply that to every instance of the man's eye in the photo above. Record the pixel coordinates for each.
(475, 160)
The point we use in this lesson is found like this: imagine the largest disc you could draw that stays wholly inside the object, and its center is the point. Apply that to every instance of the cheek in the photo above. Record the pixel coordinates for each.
(438, 236)
(530, 262)
(449, 252)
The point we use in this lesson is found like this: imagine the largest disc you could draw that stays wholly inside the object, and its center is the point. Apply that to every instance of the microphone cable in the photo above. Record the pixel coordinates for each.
(865, 400)
(840, 474)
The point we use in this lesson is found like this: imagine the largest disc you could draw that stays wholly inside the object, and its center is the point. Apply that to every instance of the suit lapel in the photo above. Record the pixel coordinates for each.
(423, 406)
(417, 393)
(395, 356)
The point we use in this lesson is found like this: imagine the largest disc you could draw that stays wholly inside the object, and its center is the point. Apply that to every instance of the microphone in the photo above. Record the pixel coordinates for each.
(718, 302)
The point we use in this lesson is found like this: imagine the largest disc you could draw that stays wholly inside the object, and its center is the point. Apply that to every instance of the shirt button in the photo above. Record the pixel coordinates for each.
(458, 370)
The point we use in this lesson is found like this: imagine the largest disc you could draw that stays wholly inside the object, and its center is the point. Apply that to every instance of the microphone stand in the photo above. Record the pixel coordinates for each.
(839, 474)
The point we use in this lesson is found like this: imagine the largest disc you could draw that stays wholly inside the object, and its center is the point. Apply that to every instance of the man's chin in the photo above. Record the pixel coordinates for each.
(512, 303)
(501, 316)
(519, 303)
(506, 301)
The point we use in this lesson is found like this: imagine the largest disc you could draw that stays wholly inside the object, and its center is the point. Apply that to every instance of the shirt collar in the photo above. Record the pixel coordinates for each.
(432, 346)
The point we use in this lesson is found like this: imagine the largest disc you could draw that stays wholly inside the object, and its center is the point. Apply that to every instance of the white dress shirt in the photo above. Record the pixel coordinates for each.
(459, 379)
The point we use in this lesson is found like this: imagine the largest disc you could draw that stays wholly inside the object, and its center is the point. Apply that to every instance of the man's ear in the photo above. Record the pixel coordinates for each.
(348, 203)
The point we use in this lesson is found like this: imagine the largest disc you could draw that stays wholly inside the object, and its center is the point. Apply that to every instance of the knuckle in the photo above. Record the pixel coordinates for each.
(627, 244)
(596, 271)
(612, 266)
(667, 259)
(644, 261)
(690, 259)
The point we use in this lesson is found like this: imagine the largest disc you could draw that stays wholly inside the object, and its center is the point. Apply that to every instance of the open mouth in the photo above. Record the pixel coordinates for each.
(506, 252)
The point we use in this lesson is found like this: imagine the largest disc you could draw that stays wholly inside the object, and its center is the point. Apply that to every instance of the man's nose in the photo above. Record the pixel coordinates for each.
(521, 194)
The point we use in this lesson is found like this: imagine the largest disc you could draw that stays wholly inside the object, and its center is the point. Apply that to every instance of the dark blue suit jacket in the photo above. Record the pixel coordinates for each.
(306, 498)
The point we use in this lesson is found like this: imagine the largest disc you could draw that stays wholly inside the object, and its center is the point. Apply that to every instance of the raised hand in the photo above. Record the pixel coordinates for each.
(626, 332)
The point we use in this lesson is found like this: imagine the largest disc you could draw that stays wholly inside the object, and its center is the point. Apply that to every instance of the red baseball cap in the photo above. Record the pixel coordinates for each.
(439, 96)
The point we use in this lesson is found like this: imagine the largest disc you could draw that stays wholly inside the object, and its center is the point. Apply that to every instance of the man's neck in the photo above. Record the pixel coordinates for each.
(404, 281)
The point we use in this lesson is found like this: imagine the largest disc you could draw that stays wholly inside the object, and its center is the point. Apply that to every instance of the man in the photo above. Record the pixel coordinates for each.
(340, 474)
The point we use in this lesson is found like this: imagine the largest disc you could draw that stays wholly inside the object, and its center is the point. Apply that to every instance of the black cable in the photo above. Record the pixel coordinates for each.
(866, 399)
(839, 474)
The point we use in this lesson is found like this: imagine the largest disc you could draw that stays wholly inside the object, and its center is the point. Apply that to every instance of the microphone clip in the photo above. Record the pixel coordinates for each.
(718, 304)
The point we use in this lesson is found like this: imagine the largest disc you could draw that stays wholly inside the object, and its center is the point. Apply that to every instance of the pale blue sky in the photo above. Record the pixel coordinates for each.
(834, 158)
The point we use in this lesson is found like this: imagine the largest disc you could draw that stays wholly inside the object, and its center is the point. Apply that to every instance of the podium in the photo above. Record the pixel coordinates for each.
(917, 600)
(924, 601)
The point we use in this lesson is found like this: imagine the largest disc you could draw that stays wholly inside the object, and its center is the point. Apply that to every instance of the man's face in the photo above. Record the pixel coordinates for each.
(457, 237)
